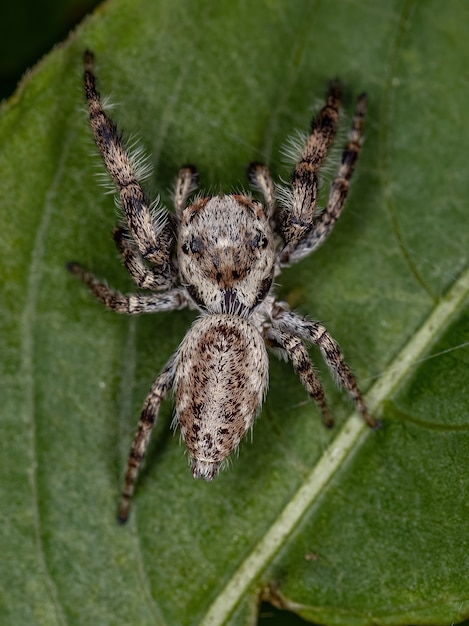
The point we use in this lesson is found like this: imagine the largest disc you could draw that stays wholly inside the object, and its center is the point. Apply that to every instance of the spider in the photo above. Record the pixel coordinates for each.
(219, 255)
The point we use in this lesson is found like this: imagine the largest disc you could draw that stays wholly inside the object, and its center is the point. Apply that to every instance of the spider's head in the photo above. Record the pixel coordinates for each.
(226, 253)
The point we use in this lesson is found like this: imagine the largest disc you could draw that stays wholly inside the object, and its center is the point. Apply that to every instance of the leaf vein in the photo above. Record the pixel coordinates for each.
(402, 28)
(347, 441)
(27, 366)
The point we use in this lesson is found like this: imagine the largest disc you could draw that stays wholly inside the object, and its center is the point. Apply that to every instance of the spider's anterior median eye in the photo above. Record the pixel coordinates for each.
(195, 246)
(259, 240)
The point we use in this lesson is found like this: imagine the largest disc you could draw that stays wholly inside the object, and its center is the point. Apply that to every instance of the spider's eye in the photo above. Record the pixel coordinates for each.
(259, 240)
(195, 246)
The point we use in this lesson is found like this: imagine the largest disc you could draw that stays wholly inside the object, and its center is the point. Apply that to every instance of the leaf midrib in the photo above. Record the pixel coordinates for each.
(352, 434)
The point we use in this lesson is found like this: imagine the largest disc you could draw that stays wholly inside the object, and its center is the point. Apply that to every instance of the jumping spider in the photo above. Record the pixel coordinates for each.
(219, 255)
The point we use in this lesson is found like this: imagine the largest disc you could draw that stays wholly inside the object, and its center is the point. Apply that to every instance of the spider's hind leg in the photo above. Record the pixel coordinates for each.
(297, 353)
(158, 392)
(313, 332)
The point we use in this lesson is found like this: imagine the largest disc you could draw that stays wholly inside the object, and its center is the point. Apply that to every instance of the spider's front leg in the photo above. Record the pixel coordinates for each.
(297, 219)
(158, 392)
(288, 322)
(321, 225)
(151, 233)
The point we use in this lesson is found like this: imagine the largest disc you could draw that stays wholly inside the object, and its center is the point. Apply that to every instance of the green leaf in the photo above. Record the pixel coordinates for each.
(342, 527)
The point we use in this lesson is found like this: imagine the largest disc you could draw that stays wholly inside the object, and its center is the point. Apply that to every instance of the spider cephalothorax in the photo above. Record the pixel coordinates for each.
(226, 254)
(219, 255)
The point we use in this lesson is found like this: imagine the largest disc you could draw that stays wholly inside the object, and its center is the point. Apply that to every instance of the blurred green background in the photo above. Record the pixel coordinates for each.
(29, 29)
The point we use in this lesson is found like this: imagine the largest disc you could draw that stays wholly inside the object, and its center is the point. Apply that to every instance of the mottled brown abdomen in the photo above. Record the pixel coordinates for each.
(221, 378)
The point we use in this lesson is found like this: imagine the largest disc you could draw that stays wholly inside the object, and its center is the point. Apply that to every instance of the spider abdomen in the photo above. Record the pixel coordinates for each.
(221, 378)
